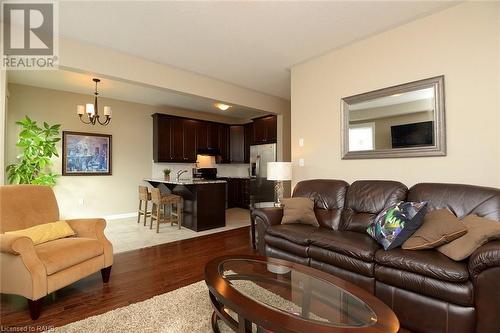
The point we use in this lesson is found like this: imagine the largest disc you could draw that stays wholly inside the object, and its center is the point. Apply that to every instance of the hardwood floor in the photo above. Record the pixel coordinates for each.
(136, 276)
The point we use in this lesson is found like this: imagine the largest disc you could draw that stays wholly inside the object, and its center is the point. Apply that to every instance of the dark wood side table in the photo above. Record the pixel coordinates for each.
(258, 205)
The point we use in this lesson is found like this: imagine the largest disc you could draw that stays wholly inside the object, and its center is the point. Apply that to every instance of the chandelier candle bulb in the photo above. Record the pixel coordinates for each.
(107, 111)
(80, 109)
(90, 108)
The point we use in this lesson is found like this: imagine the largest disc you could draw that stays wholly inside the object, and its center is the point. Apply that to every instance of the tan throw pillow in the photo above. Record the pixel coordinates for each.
(479, 231)
(46, 232)
(440, 227)
(299, 210)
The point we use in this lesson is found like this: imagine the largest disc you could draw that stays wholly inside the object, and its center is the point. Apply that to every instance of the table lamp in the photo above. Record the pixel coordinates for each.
(279, 171)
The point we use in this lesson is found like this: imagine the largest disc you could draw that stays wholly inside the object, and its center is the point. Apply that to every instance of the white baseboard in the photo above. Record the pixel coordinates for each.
(120, 216)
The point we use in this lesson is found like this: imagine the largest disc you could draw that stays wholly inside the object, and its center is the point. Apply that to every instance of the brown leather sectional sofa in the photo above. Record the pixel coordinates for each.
(428, 291)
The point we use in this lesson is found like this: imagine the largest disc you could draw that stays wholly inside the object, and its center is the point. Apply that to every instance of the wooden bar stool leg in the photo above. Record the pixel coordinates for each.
(179, 214)
(145, 212)
(153, 216)
(158, 220)
(171, 206)
(139, 211)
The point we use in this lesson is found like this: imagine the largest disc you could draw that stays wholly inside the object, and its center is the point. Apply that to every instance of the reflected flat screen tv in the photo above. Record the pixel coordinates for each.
(413, 135)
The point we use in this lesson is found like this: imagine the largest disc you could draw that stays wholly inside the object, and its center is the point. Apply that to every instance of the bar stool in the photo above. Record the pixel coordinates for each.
(160, 204)
(144, 197)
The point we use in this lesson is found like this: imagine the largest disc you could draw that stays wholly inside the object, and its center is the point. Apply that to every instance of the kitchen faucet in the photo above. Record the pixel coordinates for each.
(179, 173)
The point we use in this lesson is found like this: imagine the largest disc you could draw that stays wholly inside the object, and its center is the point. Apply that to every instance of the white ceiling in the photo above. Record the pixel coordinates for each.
(252, 44)
(82, 83)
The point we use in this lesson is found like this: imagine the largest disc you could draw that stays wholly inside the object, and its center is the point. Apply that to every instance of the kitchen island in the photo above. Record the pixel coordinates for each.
(204, 201)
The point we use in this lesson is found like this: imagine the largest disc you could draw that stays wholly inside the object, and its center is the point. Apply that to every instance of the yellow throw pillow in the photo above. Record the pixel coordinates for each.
(45, 232)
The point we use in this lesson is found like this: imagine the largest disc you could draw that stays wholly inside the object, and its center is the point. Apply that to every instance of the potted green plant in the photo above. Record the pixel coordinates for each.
(166, 174)
(37, 146)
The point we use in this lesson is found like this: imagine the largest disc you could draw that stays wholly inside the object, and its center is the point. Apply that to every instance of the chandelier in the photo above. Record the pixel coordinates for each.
(92, 111)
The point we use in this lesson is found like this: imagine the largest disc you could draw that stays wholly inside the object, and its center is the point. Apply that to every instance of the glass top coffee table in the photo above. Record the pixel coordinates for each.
(261, 294)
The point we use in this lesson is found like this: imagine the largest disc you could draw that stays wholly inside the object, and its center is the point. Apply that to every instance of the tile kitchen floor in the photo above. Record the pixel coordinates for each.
(127, 234)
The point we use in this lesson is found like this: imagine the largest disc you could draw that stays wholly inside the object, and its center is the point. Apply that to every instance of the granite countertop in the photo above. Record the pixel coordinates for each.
(186, 181)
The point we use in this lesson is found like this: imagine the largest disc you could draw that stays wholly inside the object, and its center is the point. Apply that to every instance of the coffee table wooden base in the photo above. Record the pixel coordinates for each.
(241, 326)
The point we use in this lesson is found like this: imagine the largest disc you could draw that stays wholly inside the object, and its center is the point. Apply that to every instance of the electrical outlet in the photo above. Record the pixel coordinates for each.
(301, 162)
(301, 142)
(81, 202)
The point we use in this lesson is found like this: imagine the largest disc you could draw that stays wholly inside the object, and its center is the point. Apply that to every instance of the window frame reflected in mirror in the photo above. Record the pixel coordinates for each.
(438, 148)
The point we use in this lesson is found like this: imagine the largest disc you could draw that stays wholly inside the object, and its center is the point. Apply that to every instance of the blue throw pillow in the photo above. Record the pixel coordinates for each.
(395, 224)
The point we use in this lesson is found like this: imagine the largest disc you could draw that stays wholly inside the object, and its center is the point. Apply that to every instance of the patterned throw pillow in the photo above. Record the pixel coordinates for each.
(395, 224)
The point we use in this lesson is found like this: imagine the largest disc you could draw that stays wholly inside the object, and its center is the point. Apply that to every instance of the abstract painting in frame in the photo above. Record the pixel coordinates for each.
(86, 154)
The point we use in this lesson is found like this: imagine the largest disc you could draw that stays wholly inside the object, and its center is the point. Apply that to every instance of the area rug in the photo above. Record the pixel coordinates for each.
(183, 310)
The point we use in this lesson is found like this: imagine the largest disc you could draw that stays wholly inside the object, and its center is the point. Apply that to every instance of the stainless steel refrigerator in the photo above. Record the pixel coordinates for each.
(261, 189)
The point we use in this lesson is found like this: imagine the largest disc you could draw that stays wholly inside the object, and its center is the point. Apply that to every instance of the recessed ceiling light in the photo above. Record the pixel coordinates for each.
(222, 106)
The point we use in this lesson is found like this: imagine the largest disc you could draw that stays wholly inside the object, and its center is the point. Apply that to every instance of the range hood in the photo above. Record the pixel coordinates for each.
(208, 151)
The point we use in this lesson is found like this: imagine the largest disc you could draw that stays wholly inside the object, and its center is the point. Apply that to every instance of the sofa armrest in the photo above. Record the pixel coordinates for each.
(263, 218)
(267, 216)
(485, 257)
(94, 228)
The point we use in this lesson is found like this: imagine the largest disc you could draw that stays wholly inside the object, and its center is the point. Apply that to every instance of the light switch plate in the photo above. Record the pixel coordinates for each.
(301, 162)
(301, 142)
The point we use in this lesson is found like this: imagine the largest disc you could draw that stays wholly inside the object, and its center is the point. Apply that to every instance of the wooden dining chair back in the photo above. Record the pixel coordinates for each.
(144, 198)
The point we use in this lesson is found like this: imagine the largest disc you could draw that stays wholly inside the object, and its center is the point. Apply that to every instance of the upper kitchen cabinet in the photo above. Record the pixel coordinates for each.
(202, 135)
(224, 143)
(212, 135)
(190, 140)
(161, 138)
(177, 139)
(264, 130)
(237, 143)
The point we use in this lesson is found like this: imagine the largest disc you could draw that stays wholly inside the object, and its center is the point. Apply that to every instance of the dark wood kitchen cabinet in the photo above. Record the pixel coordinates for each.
(238, 192)
(212, 135)
(224, 143)
(161, 138)
(202, 135)
(177, 139)
(237, 143)
(264, 130)
(248, 141)
(189, 140)
(174, 139)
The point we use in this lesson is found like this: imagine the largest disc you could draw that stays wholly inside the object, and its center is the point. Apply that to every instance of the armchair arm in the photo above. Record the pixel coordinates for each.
(485, 257)
(15, 244)
(263, 218)
(22, 273)
(94, 228)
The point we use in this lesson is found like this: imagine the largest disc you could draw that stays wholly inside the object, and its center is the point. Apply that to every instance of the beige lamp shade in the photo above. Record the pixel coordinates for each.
(279, 170)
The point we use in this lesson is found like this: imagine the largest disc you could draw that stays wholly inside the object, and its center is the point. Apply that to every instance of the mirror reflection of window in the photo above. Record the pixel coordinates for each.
(361, 137)
(400, 120)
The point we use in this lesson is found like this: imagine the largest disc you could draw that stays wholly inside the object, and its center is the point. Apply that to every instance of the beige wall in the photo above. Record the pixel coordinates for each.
(3, 116)
(131, 128)
(462, 43)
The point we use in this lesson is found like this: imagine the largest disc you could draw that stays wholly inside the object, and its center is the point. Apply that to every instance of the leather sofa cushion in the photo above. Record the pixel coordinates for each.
(297, 233)
(353, 244)
(366, 198)
(457, 293)
(427, 262)
(66, 252)
(328, 196)
(343, 261)
(286, 245)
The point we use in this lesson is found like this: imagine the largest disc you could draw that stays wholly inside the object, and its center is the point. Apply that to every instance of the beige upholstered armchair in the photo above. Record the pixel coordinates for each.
(34, 271)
